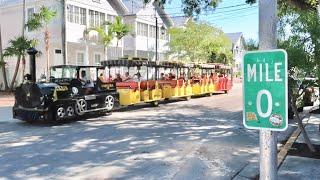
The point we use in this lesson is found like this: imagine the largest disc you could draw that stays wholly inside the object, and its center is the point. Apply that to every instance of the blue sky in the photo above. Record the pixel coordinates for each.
(230, 16)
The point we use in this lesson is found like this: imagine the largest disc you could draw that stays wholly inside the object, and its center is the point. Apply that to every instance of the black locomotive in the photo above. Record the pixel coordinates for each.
(72, 91)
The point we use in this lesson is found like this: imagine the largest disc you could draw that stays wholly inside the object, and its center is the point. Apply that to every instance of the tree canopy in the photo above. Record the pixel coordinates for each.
(200, 42)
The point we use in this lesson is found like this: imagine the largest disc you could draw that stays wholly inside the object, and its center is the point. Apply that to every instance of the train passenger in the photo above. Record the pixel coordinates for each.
(182, 76)
(137, 77)
(166, 77)
(162, 77)
(118, 78)
(127, 77)
(102, 78)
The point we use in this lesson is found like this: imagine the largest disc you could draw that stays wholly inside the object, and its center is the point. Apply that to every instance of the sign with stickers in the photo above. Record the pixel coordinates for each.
(265, 90)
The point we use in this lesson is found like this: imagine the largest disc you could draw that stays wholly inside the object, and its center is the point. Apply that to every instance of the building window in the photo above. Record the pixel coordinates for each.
(111, 18)
(91, 16)
(97, 59)
(83, 16)
(76, 14)
(30, 12)
(70, 13)
(164, 34)
(97, 18)
(80, 58)
(102, 18)
(152, 31)
(142, 29)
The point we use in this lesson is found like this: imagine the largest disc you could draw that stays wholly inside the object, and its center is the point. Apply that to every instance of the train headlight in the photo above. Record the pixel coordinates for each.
(75, 90)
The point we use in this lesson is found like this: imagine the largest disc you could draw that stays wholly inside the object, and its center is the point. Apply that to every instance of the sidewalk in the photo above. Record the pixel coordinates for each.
(293, 167)
(6, 100)
(300, 163)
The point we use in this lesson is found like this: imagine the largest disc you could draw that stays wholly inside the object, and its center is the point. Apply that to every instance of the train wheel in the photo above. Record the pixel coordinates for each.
(81, 107)
(60, 113)
(226, 91)
(70, 111)
(188, 98)
(109, 102)
(155, 103)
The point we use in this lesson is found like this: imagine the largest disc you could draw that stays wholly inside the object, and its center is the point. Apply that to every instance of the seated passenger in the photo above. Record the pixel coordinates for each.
(166, 77)
(87, 83)
(162, 76)
(127, 77)
(110, 79)
(137, 77)
(182, 76)
(118, 78)
(102, 78)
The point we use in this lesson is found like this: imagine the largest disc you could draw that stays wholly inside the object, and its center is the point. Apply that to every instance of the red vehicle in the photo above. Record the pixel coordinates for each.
(225, 77)
(220, 74)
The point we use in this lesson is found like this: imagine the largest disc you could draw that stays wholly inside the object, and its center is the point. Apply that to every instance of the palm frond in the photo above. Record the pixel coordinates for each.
(105, 38)
(17, 47)
(119, 28)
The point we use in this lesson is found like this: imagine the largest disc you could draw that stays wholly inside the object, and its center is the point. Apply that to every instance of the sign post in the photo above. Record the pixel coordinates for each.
(265, 98)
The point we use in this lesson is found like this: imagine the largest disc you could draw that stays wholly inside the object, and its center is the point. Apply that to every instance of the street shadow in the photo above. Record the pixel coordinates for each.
(126, 145)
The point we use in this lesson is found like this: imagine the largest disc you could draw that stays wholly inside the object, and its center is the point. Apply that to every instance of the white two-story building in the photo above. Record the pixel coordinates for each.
(69, 44)
(143, 18)
(238, 48)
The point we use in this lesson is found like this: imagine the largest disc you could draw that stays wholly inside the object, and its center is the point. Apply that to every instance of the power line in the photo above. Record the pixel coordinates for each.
(208, 13)
(225, 7)
(232, 18)
(239, 14)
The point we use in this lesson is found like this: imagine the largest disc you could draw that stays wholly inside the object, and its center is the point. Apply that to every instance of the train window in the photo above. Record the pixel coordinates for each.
(63, 72)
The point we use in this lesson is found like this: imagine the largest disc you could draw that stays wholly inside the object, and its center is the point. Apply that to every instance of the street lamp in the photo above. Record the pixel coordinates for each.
(157, 36)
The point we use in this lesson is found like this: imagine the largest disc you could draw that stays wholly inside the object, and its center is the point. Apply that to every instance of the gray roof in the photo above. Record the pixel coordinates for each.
(133, 6)
(234, 37)
(179, 21)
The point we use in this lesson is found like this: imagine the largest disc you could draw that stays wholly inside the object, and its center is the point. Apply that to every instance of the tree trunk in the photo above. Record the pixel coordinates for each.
(3, 67)
(105, 53)
(15, 73)
(300, 124)
(117, 48)
(47, 44)
(23, 67)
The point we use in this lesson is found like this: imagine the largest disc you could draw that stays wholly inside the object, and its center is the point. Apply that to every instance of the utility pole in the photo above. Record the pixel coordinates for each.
(63, 32)
(268, 40)
(157, 34)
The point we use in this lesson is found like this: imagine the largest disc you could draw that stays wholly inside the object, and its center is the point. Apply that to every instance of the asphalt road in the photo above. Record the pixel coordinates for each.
(198, 139)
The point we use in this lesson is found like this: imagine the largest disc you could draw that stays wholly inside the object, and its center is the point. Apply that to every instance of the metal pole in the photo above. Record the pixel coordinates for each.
(156, 44)
(268, 40)
(32, 53)
(63, 32)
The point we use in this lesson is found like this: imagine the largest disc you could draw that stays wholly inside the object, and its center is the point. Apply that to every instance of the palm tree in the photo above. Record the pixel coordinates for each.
(105, 37)
(120, 29)
(2, 65)
(17, 47)
(39, 21)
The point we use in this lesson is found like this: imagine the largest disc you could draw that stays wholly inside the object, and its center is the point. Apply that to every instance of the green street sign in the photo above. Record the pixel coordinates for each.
(265, 90)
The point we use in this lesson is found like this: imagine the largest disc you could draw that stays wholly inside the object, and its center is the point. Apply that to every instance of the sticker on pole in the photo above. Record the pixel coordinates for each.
(265, 90)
